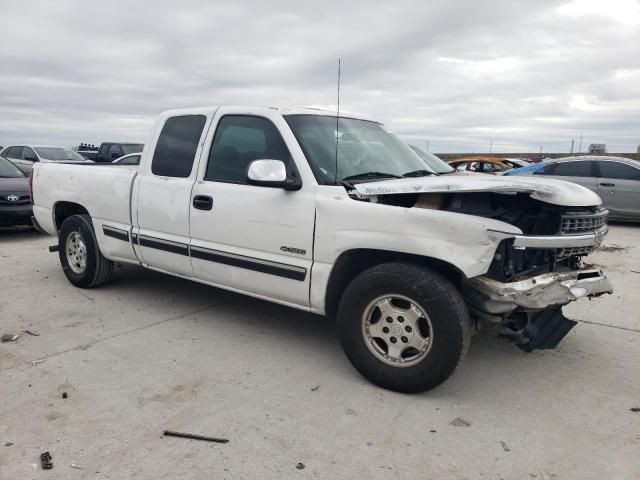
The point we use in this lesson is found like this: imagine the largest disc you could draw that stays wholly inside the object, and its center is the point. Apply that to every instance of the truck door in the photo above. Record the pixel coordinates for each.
(162, 193)
(251, 238)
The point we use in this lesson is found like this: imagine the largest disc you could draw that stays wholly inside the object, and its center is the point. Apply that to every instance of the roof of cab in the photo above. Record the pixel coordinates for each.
(282, 110)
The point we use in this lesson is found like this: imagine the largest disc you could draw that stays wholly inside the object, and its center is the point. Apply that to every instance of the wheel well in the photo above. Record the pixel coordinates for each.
(352, 263)
(64, 210)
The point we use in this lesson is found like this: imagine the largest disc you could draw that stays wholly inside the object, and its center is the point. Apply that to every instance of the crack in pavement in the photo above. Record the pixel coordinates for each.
(115, 335)
(610, 326)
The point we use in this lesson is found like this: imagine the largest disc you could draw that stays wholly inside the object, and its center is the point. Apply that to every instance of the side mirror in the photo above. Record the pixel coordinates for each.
(271, 173)
(114, 155)
(31, 159)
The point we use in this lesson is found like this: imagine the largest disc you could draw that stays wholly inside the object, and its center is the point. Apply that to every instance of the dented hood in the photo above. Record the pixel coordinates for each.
(557, 192)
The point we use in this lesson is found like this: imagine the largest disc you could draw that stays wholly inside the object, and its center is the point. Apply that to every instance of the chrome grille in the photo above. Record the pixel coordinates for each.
(569, 251)
(577, 223)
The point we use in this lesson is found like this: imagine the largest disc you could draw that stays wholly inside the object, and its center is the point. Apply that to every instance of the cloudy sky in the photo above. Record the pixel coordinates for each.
(460, 74)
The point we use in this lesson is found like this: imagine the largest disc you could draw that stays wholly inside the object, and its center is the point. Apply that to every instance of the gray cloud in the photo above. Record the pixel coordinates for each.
(459, 74)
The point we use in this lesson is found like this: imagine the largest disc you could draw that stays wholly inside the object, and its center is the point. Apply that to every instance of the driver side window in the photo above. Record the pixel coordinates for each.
(29, 155)
(240, 139)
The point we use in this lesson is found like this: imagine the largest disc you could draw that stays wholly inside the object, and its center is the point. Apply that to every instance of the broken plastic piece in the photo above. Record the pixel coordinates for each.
(7, 337)
(545, 329)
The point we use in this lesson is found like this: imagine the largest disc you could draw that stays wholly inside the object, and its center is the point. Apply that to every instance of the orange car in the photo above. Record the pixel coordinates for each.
(490, 165)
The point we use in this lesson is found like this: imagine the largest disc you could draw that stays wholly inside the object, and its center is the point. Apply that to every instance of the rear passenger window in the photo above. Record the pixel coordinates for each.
(177, 145)
(14, 152)
(619, 171)
(238, 141)
(580, 168)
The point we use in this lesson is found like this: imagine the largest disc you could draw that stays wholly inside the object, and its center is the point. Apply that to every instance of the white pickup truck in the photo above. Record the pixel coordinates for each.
(335, 216)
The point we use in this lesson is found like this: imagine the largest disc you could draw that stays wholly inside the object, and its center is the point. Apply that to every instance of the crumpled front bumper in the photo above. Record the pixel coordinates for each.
(496, 300)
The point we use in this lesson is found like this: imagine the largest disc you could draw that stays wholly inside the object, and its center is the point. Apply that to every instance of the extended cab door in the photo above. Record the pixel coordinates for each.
(251, 238)
(162, 192)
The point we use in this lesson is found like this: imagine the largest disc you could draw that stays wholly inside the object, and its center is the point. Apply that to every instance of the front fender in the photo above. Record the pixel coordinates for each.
(464, 241)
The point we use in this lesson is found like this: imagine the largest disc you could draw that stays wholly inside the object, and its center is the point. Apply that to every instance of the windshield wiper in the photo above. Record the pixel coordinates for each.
(368, 175)
(419, 173)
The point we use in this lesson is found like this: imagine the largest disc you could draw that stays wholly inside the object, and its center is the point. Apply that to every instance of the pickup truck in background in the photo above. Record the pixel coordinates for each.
(335, 216)
(109, 151)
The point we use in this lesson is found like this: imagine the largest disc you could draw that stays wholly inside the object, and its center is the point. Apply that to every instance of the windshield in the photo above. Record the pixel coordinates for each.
(132, 148)
(59, 153)
(9, 170)
(365, 150)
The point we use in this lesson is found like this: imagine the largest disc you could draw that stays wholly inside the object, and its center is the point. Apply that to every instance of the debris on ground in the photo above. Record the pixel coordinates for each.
(168, 433)
(313, 389)
(8, 444)
(31, 332)
(36, 362)
(300, 466)
(64, 395)
(460, 422)
(8, 337)
(612, 248)
(433, 431)
(635, 409)
(73, 465)
(45, 461)
(505, 447)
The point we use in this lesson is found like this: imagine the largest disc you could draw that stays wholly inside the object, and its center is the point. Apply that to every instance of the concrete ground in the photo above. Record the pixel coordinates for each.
(150, 352)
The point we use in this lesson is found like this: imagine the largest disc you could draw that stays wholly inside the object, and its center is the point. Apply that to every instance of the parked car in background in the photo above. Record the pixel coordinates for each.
(109, 151)
(88, 151)
(24, 156)
(516, 162)
(615, 179)
(481, 164)
(132, 159)
(15, 201)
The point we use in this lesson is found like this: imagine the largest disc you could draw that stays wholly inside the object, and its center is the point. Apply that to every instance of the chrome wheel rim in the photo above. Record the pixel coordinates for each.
(397, 330)
(76, 251)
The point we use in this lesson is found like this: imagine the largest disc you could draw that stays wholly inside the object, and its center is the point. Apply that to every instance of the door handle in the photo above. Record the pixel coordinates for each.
(203, 202)
(607, 184)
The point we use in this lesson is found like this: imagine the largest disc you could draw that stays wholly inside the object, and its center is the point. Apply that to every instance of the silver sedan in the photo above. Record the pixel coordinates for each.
(615, 179)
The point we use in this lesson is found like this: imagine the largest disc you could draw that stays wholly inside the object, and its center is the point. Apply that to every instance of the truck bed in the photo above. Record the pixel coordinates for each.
(103, 190)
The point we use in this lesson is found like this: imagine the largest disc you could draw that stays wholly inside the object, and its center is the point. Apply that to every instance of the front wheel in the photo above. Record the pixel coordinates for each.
(80, 257)
(403, 326)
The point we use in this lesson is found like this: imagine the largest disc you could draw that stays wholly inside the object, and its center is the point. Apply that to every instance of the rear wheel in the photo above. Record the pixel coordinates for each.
(404, 327)
(80, 257)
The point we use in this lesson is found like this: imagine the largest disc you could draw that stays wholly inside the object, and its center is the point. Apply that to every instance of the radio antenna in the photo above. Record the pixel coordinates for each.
(337, 124)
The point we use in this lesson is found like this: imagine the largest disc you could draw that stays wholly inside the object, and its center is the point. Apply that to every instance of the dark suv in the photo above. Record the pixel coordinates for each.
(109, 151)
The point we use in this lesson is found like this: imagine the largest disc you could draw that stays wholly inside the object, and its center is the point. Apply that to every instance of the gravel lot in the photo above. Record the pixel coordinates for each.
(150, 352)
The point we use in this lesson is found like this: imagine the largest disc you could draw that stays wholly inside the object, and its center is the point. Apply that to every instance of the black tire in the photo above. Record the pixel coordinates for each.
(428, 290)
(98, 269)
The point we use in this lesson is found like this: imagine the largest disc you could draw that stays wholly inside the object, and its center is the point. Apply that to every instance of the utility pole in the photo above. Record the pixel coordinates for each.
(580, 147)
(540, 149)
(572, 142)
(490, 146)
(427, 145)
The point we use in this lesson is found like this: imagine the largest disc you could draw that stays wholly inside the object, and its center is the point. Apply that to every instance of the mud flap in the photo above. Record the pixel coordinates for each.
(545, 329)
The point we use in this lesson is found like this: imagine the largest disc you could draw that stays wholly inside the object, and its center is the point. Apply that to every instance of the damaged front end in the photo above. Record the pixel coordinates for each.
(533, 306)
(534, 273)
(533, 276)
